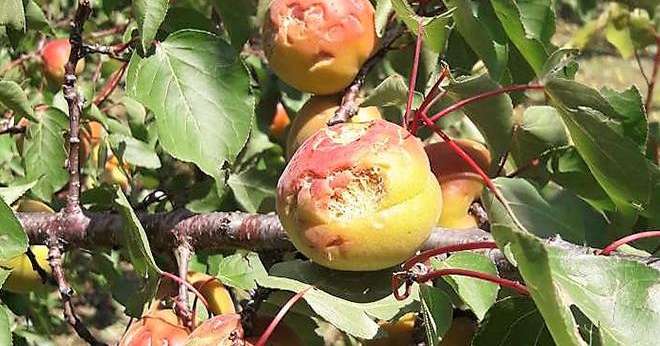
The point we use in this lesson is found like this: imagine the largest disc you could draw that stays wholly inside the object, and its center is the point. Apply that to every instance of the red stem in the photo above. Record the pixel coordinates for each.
(422, 257)
(514, 285)
(413, 75)
(187, 284)
(625, 240)
(280, 315)
(654, 74)
(111, 85)
(462, 103)
(431, 97)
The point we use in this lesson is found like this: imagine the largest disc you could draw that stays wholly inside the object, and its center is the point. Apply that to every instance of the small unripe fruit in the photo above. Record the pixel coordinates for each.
(314, 115)
(460, 184)
(158, 327)
(359, 196)
(23, 278)
(280, 121)
(318, 46)
(55, 55)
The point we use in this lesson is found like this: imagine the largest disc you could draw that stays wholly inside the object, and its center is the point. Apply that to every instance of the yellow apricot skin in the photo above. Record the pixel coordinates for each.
(399, 332)
(215, 293)
(460, 332)
(359, 196)
(460, 184)
(318, 46)
(314, 115)
(23, 279)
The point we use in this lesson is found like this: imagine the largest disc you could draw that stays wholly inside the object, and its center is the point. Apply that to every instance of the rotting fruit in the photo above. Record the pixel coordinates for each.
(158, 327)
(223, 330)
(318, 46)
(359, 196)
(55, 54)
(461, 185)
(314, 115)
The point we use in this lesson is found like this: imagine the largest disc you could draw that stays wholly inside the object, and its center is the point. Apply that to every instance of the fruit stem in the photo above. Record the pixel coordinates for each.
(476, 98)
(422, 257)
(280, 315)
(433, 93)
(413, 76)
(514, 285)
(625, 240)
(188, 285)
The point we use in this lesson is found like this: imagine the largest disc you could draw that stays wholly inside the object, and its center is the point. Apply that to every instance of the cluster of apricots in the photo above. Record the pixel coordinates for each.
(362, 195)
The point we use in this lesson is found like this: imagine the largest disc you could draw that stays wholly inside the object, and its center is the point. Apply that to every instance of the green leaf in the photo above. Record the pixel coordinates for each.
(607, 153)
(13, 97)
(511, 18)
(149, 15)
(12, 14)
(13, 238)
(539, 129)
(436, 29)
(493, 116)
(478, 294)
(133, 151)
(538, 19)
(383, 11)
(513, 321)
(482, 37)
(238, 19)
(45, 154)
(345, 315)
(550, 211)
(11, 194)
(35, 17)
(251, 187)
(629, 108)
(135, 239)
(241, 270)
(201, 98)
(393, 91)
(5, 327)
(437, 313)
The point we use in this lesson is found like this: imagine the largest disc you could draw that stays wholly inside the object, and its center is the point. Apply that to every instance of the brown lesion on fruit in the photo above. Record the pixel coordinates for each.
(348, 133)
(360, 195)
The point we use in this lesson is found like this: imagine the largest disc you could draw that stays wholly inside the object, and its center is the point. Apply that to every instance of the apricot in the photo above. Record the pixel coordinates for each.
(281, 336)
(318, 46)
(91, 136)
(359, 196)
(314, 115)
(223, 330)
(280, 121)
(215, 293)
(460, 332)
(55, 55)
(23, 278)
(113, 174)
(460, 184)
(158, 327)
(399, 332)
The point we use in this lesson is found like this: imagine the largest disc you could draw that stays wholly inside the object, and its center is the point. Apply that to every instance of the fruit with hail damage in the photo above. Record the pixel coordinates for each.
(158, 327)
(223, 330)
(461, 185)
(359, 196)
(54, 55)
(314, 115)
(318, 46)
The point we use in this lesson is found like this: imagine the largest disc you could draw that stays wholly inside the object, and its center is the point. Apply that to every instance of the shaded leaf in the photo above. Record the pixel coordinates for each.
(539, 129)
(437, 313)
(14, 98)
(436, 29)
(5, 327)
(133, 151)
(513, 321)
(13, 238)
(238, 19)
(393, 91)
(252, 186)
(11, 194)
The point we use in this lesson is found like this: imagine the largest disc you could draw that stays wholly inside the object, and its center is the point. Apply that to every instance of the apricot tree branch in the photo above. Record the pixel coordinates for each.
(183, 255)
(348, 107)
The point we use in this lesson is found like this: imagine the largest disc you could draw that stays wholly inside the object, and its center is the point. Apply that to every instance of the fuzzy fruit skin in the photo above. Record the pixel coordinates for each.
(281, 336)
(460, 332)
(55, 55)
(280, 122)
(24, 279)
(314, 115)
(318, 46)
(359, 196)
(223, 330)
(399, 332)
(158, 327)
(460, 184)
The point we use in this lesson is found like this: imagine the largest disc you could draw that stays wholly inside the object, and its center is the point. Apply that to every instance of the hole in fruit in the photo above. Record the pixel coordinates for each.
(360, 193)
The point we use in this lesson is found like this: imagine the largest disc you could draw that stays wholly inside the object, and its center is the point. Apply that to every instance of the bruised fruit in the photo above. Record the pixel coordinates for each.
(314, 115)
(460, 184)
(158, 327)
(280, 121)
(55, 55)
(399, 332)
(223, 330)
(318, 46)
(460, 332)
(23, 278)
(359, 196)
(281, 336)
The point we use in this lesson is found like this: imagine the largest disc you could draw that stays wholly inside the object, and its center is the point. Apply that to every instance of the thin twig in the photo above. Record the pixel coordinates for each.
(348, 107)
(183, 255)
(108, 32)
(18, 61)
(413, 79)
(654, 75)
(43, 274)
(641, 68)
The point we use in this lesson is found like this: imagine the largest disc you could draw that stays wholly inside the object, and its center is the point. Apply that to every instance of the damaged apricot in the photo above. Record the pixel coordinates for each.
(314, 115)
(359, 196)
(461, 185)
(158, 327)
(318, 46)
